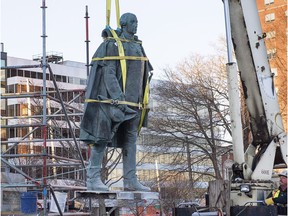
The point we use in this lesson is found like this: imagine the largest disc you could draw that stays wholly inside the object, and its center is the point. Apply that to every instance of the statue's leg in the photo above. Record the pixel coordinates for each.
(94, 181)
(131, 182)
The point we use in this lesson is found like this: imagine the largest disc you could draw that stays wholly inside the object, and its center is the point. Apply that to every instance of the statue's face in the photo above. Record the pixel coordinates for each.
(132, 24)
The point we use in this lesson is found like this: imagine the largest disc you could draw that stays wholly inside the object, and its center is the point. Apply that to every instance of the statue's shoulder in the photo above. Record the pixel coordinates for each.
(107, 35)
(137, 39)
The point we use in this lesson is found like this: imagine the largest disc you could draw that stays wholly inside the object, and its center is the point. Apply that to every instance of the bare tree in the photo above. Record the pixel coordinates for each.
(192, 119)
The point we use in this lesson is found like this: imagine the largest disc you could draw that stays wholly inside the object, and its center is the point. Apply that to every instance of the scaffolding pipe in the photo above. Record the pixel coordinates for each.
(19, 171)
(63, 158)
(39, 116)
(17, 142)
(19, 95)
(36, 94)
(21, 155)
(66, 105)
(68, 121)
(49, 165)
(44, 124)
(39, 140)
(20, 125)
(87, 41)
(39, 155)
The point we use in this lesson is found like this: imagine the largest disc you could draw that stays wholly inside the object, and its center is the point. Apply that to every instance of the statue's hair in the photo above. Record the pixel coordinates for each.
(124, 18)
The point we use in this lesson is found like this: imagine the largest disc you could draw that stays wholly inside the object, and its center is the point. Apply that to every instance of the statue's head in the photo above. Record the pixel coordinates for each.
(129, 23)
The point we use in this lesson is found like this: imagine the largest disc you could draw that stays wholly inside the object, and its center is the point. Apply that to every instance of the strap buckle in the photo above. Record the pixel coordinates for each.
(114, 102)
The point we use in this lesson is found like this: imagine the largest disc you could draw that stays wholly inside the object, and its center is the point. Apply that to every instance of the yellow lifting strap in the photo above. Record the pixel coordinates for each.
(121, 55)
(145, 104)
(125, 40)
(108, 12)
(138, 58)
(116, 102)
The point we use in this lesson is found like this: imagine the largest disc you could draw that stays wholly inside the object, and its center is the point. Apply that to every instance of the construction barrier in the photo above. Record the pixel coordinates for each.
(28, 202)
(61, 198)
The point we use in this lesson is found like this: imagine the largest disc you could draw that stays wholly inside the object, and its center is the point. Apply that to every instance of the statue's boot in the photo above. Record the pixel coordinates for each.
(131, 182)
(94, 182)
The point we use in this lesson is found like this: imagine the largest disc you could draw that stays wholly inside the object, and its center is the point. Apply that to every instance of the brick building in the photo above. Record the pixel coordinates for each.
(273, 16)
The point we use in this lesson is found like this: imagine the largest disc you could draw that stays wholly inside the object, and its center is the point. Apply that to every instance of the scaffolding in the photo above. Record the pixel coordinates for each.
(35, 155)
(51, 57)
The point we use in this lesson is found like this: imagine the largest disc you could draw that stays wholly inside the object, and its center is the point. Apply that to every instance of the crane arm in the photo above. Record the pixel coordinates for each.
(259, 91)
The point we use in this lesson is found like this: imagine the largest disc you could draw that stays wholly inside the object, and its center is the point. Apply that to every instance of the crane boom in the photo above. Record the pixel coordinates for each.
(259, 90)
(252, 170)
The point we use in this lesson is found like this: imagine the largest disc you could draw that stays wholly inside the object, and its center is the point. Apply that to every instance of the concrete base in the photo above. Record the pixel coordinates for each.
(105, 202)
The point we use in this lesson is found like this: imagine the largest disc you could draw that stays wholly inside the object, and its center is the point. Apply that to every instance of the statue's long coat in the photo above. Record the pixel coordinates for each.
(102, 122)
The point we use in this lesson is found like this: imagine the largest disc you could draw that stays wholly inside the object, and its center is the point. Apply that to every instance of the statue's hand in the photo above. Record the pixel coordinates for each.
(119, 112)
(122, 112)
(129, 113)
(116, 114)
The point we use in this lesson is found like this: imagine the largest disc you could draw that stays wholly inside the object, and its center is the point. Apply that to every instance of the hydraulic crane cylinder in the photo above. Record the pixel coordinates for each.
(235, 113)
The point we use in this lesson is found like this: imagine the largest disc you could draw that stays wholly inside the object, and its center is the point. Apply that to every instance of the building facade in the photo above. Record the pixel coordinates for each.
(3, 90)
(22, 122)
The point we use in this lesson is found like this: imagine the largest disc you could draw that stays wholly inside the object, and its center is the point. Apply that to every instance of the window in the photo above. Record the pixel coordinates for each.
(3, 77)
(267, 2)
(20, 73)
(11, 132)
(271, 53)
(33, 74)
(70, 79)
(27, 74)
(39, 76)
(13, 73)
(76, 80)
(271, 34)
(270, 17)
(274, 71)
(82, 81)
(24, 111)
(58, 78)
(10, 88)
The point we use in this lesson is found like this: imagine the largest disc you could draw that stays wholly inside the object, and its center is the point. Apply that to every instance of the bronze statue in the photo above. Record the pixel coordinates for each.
(114, 102)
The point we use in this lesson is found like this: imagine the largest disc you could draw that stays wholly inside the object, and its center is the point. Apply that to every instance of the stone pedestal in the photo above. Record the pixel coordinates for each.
(104, 203)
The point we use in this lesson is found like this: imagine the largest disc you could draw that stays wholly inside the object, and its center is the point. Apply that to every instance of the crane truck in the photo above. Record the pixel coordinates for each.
(252, 169)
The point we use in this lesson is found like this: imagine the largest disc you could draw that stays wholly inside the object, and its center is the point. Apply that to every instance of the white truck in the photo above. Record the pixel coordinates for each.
(252, 170)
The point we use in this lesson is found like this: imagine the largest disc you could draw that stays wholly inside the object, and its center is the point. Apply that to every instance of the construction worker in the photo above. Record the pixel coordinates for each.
(114, 102)
(279, 197)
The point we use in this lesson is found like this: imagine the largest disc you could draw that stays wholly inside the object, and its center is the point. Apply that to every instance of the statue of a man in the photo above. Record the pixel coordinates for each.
(114, 102)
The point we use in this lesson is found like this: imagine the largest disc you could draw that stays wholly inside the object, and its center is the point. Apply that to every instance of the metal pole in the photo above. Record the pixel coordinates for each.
(228, 30)
(44, 124)
(19, 171)
(190, 174)
(234, 94)
(66, 116)
(87, 42)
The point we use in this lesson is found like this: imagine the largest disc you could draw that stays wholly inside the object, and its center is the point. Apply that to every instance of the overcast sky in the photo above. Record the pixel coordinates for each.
(170, 30)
